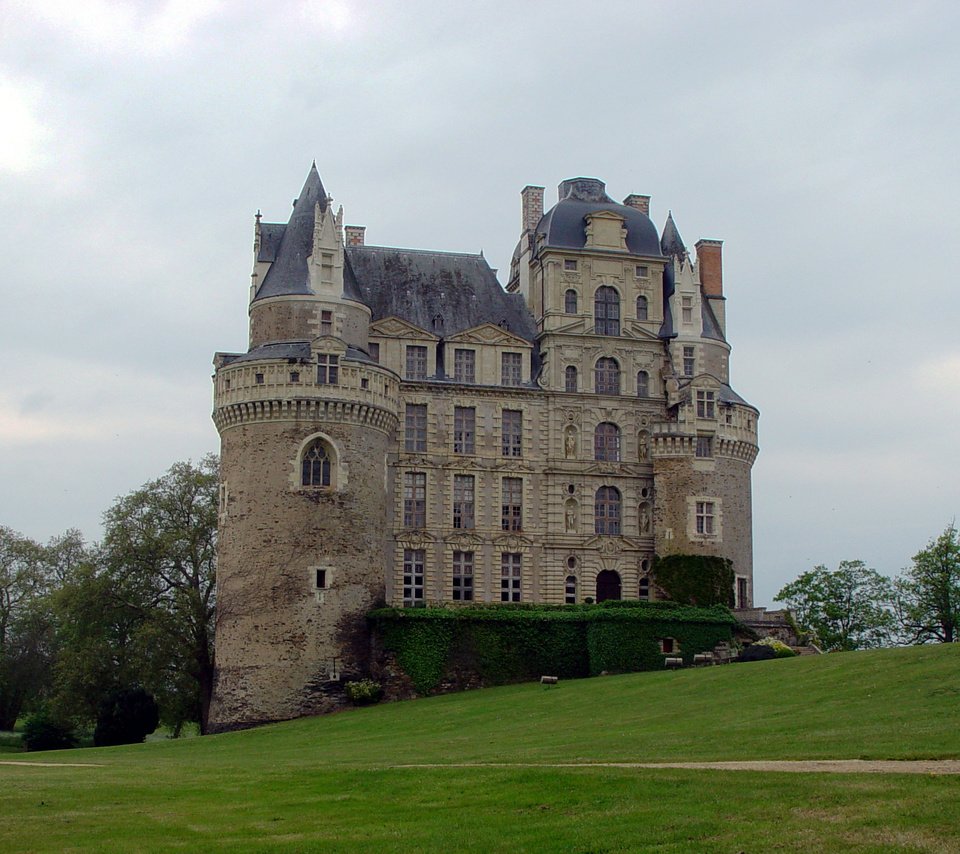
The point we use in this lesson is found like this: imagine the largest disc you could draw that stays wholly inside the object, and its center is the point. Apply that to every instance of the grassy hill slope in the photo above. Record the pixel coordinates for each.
(333, 783)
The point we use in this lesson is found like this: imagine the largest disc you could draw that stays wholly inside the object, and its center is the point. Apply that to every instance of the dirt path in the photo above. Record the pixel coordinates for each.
(805, 766)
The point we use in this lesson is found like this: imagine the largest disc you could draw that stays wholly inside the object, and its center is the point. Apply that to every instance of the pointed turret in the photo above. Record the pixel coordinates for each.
(671, 243)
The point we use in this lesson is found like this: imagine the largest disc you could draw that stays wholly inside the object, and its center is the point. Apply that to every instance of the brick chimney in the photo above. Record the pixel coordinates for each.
(710, 262)
(354, 234)
(641, 203)
(532, 199)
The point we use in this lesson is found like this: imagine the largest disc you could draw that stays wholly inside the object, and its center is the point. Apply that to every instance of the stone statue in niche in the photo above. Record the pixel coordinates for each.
(570, 443)
(570, 516)
(643, 447)
(644, 520)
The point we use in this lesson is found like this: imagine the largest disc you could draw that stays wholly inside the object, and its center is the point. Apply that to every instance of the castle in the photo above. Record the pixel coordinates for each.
(403, 429)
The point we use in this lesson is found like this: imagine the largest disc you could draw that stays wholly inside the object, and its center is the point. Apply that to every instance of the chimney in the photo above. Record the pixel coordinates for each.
(532, 198)
(354, 234)
(641, 203)
(710, 262)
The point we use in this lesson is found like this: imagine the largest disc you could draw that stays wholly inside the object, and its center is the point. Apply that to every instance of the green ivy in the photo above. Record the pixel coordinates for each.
(696, 579)
(511, 643)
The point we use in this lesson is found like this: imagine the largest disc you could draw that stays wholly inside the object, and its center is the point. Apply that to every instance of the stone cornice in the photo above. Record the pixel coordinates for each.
(305, 409)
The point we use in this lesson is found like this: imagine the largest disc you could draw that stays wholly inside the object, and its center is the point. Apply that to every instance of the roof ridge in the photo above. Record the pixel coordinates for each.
(477, 255)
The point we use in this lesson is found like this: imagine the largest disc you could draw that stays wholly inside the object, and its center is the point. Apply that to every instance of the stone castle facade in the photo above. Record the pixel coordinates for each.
(403, 429)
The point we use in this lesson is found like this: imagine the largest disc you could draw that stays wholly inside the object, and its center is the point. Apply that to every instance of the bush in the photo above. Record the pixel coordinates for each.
(42, 731)
(126, 716)
(757, 652)
(778, 646)
(363, 692)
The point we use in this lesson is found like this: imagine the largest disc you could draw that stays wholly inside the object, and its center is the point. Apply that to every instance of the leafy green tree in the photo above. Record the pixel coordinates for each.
(851, 608)
(701, 580)
(928, 593)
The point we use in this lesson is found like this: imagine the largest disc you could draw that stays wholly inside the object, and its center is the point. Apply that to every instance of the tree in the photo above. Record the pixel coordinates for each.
(928, 593)
(851, 608)
(701, 580)
(160, 554)
(126, 716)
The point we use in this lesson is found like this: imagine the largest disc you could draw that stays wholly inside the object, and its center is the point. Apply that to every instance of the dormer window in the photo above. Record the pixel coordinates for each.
(686, 309)
(328, 369)
(706, 404)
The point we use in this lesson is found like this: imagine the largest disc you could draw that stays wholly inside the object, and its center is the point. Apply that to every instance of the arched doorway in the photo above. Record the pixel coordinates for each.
(608, 585)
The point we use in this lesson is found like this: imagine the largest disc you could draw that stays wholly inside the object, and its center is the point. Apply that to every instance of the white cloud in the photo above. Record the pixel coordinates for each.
(22, 134)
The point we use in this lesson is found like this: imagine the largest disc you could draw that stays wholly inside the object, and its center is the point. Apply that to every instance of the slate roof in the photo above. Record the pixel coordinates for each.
(291, 350)
(725, 395)
(441, 292)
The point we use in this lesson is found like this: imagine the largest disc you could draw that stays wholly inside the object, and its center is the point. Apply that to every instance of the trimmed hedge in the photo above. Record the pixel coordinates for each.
(512, 643)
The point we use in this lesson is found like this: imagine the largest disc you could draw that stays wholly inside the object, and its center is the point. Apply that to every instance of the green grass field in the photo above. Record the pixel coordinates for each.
(333, 784)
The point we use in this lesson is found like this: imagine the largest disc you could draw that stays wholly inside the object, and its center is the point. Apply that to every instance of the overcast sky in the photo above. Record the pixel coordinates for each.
(818, 140)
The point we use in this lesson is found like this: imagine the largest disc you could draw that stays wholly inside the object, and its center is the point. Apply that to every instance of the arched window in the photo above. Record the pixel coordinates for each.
(641, 308)
(606, 311)
(606, 376)
(606, 511)
(570, 590)
(570, 378)
(570, 302)
(606, 442)
(643, 384)
(315, 470)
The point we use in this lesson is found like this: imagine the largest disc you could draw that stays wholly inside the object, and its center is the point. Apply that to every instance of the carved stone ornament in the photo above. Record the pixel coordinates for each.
(570, 516)
(570, 443)
(643, 447)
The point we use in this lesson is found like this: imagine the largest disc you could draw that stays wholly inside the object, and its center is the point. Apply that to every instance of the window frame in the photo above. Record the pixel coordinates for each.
(464, 430)
(464, 564)
(464, 502)
(511, 433)
(607, 442)
(571, 372)
(321, 465)
(415, 358)
(643, 308)
(606, 311)
(414, 577)
(511, 369)
(328, 369)
(414, 499)
(464, 365)
(608, 511)
(415, 428)
(511, 504)
(511, 576)
(606, 376)
(571, 301)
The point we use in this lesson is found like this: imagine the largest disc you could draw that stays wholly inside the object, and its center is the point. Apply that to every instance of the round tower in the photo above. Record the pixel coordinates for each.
(305, 420)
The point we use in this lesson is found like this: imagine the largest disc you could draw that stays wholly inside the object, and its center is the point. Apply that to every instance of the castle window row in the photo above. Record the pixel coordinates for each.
(414, 563)
(416, 367)
(606, 309)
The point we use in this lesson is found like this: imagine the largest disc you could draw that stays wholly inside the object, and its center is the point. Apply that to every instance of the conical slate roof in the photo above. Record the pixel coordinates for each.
(671, 243)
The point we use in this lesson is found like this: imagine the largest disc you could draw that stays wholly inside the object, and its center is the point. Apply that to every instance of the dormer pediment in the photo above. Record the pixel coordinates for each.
(489, 333)
(605, 230)
(328, 344)
(395, 327)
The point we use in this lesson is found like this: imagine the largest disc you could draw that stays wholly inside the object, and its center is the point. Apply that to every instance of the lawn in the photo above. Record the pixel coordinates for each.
(334, 784)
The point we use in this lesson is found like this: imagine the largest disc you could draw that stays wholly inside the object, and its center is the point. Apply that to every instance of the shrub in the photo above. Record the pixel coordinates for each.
(42, 731)
(757, 652)
(126, 716)
(778, 646)
(363, 692)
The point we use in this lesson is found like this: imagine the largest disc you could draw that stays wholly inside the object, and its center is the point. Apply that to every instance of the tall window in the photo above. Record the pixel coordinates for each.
(465, 366)
(641, 308)
(316, 465)
(644, 592)
(511, 369)
(570, 378)
(463, 576)
(464, 429)
(741, 592)
(511, 504)
(374, 350)
(328, 369)
(463, 502)
(570, 302)
(606, 311)
(705, 517)
(688, 361)
(704, 446)
(414, 499)
(326, 323)
(510, 578)
(570, 590)
(686, 309)
(415, 428)
(706, 404)
(416, 362)
(511, 439)
(413, 561)
(606, 376)
(606, 442)
(606, 511)
(643, 384)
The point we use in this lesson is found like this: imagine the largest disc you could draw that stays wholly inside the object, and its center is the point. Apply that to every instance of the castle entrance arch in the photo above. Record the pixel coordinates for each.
(608, 585)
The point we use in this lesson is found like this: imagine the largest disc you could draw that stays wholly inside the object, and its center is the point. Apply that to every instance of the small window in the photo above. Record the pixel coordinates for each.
(374, 350)
(326, 323)
(606, 311)
(315, 467)
(464, 429)
(416, 362)
(413, 573)
(704, 446)
(511, 433)
(606, 442)
(705, 517)
(415, 428)
(570, 302)
(643, 271)
(328, 369)
(570, 264)
(688, 361)
(570, 378)
(258, 378)
(463, 502)
(570, 590)
(510, 576)
(511, 369)
(465, 366)
(607, 511)
(686, 309)
(364, 383)
(641, 308)
(294, 376)
(706, 407)
(742, 599)
(644, 592)
(463, 576)
(511, 504)
(606, 377)
(321, 579)
(643, 384)
(414, 499)
(668, 646)
(226, 385)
